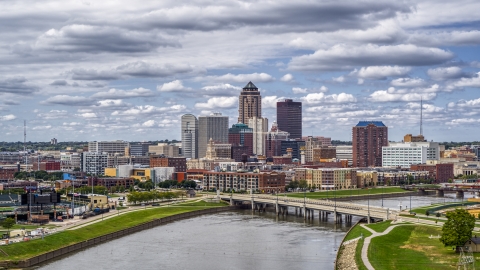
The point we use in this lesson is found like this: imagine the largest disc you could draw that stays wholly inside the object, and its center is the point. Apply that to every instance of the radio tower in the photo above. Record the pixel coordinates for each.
(421, 116)
(25, 143)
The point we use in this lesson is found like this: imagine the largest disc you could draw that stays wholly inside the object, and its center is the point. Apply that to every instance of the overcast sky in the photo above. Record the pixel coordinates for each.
(107, 70)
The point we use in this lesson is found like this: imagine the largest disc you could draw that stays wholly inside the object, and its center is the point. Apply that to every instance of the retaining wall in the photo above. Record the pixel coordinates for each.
(105, 238)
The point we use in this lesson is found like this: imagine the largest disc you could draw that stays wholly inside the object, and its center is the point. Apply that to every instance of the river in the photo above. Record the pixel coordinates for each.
(230, 240)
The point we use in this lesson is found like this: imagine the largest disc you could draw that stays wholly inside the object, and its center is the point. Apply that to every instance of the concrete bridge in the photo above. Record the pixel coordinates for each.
(307, 207)
(440, 191)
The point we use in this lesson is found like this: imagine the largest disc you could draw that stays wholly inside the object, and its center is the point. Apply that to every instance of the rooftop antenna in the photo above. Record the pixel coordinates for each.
(25, 143)
(421, 115)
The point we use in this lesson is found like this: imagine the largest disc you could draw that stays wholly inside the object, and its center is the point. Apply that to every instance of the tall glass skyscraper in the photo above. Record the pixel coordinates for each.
(189, 136)
(289, 117)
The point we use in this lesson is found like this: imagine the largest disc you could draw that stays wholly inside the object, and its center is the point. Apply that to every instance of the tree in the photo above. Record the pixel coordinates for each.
(458, 228)
(302, 184)
(8, 224)
(427, 213)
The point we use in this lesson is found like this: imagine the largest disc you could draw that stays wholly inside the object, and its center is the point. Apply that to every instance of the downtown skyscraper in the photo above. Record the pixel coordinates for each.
(189, 136)
(215, 127)
(249, 103)
(368, 138)
(289, 117)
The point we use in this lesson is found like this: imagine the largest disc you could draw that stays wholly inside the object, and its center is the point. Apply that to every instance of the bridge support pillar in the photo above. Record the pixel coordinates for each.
(388, 214)
(335, 217)
(277, 211)
(439, 193)
(231, 201)
(459, 194)
(296, 211)
(304, 212)
(368, 217)
(286, 210)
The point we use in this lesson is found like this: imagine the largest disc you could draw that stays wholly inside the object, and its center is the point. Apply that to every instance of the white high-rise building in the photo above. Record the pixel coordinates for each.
(405, 154)
(189, 136)
(260, 128)
(94, 163)
(110, 147)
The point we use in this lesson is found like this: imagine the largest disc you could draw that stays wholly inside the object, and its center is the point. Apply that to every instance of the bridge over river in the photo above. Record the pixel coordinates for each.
(306, 207)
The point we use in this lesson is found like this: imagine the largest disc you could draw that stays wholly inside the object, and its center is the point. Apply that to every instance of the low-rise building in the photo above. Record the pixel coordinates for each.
(264, 182)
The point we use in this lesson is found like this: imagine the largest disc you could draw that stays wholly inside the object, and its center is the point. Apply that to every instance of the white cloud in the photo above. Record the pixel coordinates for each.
(239, 78)
(218, 102)
(467, 82)
(173, 86)
(116, 93)
(408, 82)
(87, 115)
(7, 117)
(270, 102)
(343, 56)
(393, 95)
(111, 103)
(340, 79)
(298, 90)
(320, 98)
(223, 89)
(44, 127)
(380, 72)
(287, 78)
(68, 100)
(445, 73)
(149, 123)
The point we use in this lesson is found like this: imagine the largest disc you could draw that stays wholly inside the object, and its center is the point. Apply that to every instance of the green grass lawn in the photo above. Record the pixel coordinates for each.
(345, 193)
(356, 232)
(409, 247)
(439, 206)
(380, 227)
(29, 249)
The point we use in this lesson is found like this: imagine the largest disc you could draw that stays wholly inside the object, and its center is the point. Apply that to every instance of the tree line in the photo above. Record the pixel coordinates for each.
(151, 196)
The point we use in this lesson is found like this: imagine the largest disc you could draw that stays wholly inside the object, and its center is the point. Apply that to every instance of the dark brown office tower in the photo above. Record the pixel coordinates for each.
(368, 137)
(289, 117)
(249, 103)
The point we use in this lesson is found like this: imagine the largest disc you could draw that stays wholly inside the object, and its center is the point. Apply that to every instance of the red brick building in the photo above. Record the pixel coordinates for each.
(444, 172)
(240, 136)
(368, 137)
(439, 172)
(7, 173)
(180, 163)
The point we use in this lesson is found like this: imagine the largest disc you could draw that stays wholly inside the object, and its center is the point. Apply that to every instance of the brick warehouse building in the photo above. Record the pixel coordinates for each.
(180, 163)
(265, 182)
(368, 137)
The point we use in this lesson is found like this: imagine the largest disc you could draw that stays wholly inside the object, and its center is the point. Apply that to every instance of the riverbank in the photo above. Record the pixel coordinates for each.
(33, 252)
(397, 245)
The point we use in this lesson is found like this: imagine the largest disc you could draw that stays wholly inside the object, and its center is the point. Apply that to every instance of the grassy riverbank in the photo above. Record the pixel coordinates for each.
(346, 193)
(410, 247)
(354, 233)
(24, 250)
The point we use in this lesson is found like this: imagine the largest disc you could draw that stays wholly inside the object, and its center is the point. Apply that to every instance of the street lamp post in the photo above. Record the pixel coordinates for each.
(368, 203)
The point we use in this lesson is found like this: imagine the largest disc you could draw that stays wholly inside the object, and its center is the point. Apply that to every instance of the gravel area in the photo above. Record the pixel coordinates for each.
(346, 260)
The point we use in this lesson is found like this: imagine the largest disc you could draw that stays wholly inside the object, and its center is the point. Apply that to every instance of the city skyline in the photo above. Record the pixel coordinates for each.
(87, 71)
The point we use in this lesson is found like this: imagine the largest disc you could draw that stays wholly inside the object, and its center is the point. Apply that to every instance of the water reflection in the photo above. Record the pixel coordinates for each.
(233, 240)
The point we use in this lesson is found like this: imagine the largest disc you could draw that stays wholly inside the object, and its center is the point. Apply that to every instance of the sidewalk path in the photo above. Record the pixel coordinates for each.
(366, 243)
